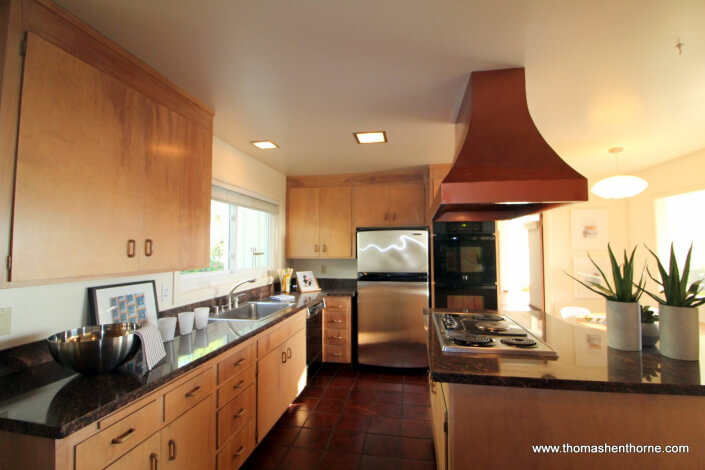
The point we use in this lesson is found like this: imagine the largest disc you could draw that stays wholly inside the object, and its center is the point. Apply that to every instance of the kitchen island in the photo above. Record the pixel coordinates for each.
(489, 412)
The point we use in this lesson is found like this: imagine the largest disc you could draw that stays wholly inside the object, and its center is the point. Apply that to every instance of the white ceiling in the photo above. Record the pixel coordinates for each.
(308, 73)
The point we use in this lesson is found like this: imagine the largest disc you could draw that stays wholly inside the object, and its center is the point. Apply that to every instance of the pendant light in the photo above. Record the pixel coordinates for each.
(618, 186)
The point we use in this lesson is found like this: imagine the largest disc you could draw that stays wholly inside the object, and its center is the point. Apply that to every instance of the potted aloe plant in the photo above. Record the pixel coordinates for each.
(622, 296)
(678, 313)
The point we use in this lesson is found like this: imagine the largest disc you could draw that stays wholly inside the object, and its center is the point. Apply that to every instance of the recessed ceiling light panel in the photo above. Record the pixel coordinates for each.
(265, 144)
(376, 137)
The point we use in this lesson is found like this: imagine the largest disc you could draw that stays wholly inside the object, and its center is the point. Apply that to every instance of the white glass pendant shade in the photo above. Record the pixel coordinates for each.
(619, 187)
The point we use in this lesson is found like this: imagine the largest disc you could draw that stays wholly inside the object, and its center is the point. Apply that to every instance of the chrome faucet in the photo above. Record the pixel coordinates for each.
(232, 291)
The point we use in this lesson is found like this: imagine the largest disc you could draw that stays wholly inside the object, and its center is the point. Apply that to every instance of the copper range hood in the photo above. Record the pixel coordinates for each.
(503, 168)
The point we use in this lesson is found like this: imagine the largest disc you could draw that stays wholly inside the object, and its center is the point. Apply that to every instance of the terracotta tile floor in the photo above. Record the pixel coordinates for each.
(347, 420)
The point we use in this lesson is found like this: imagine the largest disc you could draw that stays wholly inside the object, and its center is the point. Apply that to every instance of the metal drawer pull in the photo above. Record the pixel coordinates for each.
(240, 413)
(153, 461)
(239, 384)
(172, 449)
(131, 248)
(148, 251)
(194, 392)
(335, 337)
(283, 357)
(240, 361)
(336, 321)
(124, 437)
(288, 353)
(239, 452)
(315, 248)
(324, 248)
(337, 354)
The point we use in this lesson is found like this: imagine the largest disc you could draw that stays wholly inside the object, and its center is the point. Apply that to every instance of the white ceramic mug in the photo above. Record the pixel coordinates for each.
(186, 322)
(201, 317)
(167, 328)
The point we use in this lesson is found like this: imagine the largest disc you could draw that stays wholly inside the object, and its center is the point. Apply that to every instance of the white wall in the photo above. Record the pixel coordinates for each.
(335, 268)
(40, 311)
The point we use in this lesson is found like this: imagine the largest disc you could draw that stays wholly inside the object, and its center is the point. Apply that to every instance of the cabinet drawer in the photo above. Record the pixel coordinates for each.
(233, 416)
(116, 440)
(335, 336)
(144, 456)
(335, 319)
(235, 363)
(298, 322)
(270, 342)
(338, 304)
(234, 454)
(236, 385)
(335, 353)
(188, 394)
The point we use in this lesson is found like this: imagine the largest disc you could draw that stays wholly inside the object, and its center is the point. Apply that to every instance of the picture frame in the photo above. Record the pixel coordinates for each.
(131, 302)
(588, 229)
(584, 270)
(306, 281)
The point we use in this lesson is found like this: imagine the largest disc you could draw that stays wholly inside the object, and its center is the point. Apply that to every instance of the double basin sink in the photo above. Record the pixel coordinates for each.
(251, 311)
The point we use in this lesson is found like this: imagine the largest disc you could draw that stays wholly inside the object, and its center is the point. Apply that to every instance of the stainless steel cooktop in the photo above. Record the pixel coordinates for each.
(488, 335)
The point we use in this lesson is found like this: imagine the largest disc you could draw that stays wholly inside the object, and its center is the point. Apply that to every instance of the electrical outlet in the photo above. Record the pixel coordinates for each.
(323, 269)
(5, 317)
(166, 292)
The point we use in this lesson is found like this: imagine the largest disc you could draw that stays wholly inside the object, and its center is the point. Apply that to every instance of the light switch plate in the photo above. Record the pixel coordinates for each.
(5, 317)
(323, 269)
(165, 293)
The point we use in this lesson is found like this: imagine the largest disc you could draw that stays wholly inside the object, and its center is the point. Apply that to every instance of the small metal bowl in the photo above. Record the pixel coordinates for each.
(95, 349)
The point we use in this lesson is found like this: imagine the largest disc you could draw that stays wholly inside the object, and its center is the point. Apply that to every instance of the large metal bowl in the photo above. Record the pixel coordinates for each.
(95, 349)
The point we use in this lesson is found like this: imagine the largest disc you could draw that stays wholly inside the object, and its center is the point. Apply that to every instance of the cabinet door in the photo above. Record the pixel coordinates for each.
(334, 221)
(293, 380)
(177, 168)
(145, 456)
(78, 186)
(269, 403)
(370, 205)
(302, 223)
(439, 415)
(189, 441)
(407, 203)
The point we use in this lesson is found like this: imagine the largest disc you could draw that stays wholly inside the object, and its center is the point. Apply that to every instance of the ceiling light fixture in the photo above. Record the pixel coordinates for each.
(376, 137)
(618, 186)
(265, 144)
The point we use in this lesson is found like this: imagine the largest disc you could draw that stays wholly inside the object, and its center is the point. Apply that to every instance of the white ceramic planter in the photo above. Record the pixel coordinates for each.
(623, 325)
(680, 338)
(649, 334)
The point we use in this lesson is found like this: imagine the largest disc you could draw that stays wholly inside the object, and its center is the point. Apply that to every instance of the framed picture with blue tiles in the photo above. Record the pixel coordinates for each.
(132, 302)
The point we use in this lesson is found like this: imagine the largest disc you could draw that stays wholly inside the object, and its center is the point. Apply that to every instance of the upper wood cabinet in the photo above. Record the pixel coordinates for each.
(113, 163)
(394, 204)
(318, 223)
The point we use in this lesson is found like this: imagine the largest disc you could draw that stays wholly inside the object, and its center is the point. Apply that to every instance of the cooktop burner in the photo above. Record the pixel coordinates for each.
(519, 342)
(486, 317)
(467, 339)
(491, 326)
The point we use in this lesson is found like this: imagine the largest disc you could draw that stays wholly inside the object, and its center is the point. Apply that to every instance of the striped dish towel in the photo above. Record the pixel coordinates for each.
(152, 345)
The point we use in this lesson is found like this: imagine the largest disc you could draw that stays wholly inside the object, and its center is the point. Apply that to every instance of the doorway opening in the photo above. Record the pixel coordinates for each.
(520, 263)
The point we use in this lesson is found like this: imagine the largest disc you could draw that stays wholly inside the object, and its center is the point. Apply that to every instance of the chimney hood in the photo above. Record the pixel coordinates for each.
(503, 167)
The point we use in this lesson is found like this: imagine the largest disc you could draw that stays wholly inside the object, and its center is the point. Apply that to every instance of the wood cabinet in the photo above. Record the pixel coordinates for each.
(146, 456)
(389, 205)
(337, 330)
(113, 177)
(187, 441)
(439, 416)
(318, 223)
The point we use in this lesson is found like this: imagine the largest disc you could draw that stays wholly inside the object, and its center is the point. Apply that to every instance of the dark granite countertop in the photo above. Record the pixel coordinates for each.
(585, 362)
(50, 401)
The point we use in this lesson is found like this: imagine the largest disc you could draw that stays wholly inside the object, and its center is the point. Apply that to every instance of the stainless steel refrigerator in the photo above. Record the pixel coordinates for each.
(392, 283)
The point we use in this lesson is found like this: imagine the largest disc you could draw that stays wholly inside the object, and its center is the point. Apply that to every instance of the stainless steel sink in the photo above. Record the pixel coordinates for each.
(252, 311)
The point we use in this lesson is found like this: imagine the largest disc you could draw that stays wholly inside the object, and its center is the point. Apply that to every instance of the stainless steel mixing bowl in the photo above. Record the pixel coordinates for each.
(95, 349)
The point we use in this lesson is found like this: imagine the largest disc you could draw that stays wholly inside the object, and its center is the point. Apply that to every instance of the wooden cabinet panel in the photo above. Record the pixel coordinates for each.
(235, 362)
(233, 416)
(407, 204)
(268, 403)
(236, 385)
(370, 205)
(78, 186)
(294, 376)
(145, 456)
(302, 223)
(439, 415)
(188, 442)
(335, 221)
(336, 330)
(234, 454)
(186, 395)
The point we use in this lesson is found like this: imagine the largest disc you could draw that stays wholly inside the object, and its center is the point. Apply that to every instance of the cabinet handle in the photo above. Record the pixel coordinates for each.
(432, 384)
(394, 216)
(386, 216)
(315, 248)
(131, 244)
(153, 462)
(324, 248)
(240, 361)
(337, 354)
(124, 437)
(288, 353)
(335, 337)
(239, 452)
(336, 321)
(283, 357)
(240, 413)
(172, 449)
(239, 384)
(194, 392)
(148, 247)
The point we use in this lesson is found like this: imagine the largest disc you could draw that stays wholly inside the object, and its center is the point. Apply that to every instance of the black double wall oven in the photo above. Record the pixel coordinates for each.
(465, 265)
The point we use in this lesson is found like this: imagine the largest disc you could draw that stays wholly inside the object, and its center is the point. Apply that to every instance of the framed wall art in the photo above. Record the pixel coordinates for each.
(133, 302)
(588, 229)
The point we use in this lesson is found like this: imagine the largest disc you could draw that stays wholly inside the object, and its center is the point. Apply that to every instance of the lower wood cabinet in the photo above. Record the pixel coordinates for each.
(337, 326)
(439, 415)
(187, 443)
(146, 456)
